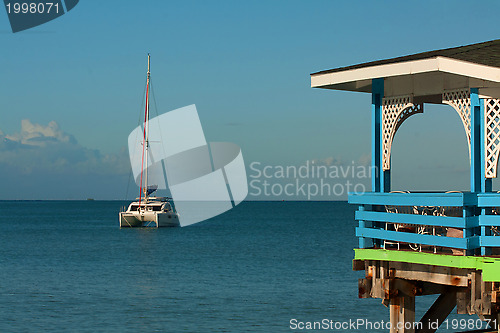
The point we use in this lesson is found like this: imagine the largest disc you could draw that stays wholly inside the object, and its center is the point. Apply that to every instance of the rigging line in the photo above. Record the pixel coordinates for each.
(132, 158)
(142, 104)
(156, 110)
(153, 95)
(161, 137)
(144, 141)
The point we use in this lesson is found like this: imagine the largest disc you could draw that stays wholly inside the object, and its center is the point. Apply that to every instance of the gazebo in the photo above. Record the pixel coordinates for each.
(421, 243)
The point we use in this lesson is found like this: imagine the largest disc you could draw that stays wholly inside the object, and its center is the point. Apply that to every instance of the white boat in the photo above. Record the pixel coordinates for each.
(148, 210)
(154, 211)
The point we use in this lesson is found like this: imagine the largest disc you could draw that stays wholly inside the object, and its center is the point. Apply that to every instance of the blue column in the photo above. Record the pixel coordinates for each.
(385, 181)
(476, 183)
(486, 185)
(479, 182)
(468, 232)
(377, 95)
(362, 224)
(475, 144)
(376, 171)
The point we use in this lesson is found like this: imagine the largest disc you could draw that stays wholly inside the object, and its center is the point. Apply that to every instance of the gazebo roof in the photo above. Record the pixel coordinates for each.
(427, 73)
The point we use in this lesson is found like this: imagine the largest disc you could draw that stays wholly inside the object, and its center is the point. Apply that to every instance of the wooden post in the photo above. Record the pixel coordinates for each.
(402, 314)
(397, 284)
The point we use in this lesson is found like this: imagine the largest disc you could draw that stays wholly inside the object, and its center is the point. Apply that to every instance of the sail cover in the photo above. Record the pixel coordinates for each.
(152, 188)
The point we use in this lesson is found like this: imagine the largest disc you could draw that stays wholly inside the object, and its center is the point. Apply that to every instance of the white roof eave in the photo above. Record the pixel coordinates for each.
(355, 78)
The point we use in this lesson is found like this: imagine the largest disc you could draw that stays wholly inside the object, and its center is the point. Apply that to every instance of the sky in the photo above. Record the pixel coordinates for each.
(71, 90)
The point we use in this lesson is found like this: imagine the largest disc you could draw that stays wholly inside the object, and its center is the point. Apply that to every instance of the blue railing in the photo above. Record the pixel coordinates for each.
(458, 223)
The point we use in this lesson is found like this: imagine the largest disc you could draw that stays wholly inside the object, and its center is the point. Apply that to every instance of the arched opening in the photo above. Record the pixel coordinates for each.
(430, 152)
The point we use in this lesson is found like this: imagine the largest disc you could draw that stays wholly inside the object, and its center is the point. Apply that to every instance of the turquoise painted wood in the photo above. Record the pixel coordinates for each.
(414, 199)
(489, 220)
(377, 95)
(475, 145)
(488, 199)
(489, 241)
(405, 237)
(430, 220)
(478, 217)
(361, 240)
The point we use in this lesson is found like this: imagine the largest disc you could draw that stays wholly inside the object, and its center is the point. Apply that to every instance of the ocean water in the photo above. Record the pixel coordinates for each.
(67, 266)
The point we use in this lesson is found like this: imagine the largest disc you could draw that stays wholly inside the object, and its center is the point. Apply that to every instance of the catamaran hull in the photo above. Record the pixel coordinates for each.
(167, 220)
(129, 220)
(149, 219)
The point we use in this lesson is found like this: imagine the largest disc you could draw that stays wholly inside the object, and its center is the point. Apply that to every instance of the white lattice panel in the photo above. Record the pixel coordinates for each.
(460, 101)
(492, 136)
(395, 110)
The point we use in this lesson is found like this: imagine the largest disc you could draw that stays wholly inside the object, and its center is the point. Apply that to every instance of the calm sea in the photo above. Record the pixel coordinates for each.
(67, 266)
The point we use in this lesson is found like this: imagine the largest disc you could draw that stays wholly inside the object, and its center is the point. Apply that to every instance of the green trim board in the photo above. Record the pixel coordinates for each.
(490, 266)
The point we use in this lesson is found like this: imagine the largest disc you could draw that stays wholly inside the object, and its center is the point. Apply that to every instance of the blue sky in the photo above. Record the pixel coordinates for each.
(245, 65)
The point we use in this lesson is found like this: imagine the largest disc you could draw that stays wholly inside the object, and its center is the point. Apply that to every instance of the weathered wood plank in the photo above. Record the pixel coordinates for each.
(485, 297)
(495, 297)
(436, 274)
(402, 314)
(475, 293)
(364, 288)
(463, 301)
(428, 288)
(406, 287)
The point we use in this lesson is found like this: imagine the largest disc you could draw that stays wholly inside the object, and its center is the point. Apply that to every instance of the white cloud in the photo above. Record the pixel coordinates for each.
(39, 147)
(39, 153)
(39, 135)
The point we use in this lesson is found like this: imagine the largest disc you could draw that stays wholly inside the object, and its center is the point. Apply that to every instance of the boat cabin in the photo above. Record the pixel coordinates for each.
(151, 205)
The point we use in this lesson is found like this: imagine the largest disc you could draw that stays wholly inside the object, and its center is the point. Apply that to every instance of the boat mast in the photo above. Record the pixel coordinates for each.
(147, 130)
(145, 142)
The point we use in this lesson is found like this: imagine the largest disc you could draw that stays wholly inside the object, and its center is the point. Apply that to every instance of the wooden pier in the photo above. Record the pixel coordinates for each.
(430, 243)
(397, 277)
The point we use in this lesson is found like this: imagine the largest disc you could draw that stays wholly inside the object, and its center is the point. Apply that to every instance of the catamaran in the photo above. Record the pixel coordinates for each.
(148, 210)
